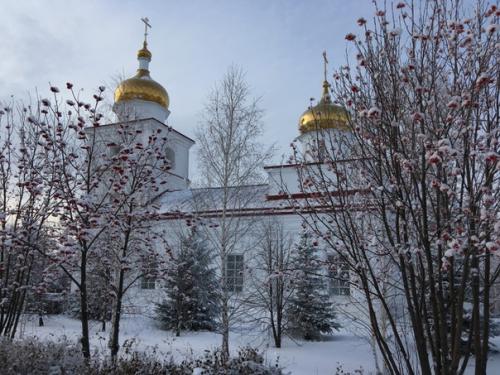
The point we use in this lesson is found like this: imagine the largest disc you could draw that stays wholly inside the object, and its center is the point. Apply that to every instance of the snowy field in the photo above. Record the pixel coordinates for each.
(298, 358)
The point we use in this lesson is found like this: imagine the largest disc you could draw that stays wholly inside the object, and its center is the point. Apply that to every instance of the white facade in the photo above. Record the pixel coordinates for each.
(179, 204)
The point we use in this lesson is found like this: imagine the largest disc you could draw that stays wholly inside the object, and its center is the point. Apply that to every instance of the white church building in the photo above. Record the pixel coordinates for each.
(142, 102)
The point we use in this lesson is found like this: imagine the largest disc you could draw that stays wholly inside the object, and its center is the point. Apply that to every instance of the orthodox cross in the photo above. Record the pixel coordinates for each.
(146, 25)
(325, 64)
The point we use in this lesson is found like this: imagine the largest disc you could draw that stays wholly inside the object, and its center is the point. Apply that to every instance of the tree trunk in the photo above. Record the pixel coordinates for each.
(84, 316)
(225, 330)
(277, 341)
(486, 311)
(115, 326)
(277, 338)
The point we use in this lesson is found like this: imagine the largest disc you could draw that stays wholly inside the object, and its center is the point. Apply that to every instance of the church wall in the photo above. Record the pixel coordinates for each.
(143, 301)
(283, 179)
(306, 178)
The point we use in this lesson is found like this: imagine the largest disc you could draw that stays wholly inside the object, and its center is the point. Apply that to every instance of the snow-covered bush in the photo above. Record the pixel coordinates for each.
(65, 357)
(248, 361)
(34, 357)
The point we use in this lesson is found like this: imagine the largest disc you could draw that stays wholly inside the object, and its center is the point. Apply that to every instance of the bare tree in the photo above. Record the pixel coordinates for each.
(270, 286)
(415, 211)
(139, 169)
(57, 163)
(26, 202)
(230, 157)
(107, 178)
(78, 187)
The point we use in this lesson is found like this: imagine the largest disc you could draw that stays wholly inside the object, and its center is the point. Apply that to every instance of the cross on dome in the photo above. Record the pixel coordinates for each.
(146, 25)
(326, 86)
(325, 65)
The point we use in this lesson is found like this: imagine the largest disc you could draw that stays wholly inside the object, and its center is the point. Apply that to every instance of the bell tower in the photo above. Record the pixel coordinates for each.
(142, 105)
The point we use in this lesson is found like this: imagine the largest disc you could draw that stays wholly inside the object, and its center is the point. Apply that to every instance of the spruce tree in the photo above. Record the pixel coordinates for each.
(309, 313)
(191, 300)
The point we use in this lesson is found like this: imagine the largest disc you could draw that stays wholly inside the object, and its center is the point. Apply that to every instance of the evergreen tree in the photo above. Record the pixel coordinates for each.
(191, 301)
(309, 313)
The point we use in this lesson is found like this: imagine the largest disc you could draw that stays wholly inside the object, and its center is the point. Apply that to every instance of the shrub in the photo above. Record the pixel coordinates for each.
(36, 357)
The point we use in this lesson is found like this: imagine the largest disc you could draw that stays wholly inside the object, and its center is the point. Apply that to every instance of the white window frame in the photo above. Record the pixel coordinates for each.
(148, 281)
(338, 272)
(235, 265)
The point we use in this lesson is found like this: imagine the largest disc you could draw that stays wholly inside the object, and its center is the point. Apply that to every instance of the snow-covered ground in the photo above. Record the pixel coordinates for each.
(298, 358)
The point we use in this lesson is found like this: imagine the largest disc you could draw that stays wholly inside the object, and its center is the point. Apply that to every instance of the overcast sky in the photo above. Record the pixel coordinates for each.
(278, 43)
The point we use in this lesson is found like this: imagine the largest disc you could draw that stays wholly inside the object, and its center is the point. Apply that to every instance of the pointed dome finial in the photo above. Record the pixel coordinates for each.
(144, 53)
(326, 85)
(325, 65)
(146, 25)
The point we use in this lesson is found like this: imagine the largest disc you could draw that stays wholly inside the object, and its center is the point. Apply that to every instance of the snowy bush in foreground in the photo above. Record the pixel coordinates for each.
(33, 357)
(65, 357)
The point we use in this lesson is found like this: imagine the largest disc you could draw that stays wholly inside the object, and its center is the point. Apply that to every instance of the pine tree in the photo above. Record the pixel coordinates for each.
(191, 301)
(309, 313)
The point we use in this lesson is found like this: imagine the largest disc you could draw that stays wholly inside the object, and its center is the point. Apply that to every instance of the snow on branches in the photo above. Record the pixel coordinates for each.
(422, 99)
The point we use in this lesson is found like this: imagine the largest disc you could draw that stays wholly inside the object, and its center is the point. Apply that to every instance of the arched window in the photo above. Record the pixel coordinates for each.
(170, 155)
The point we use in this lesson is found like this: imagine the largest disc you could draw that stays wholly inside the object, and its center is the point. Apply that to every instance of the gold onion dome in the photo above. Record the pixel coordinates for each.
(324, 115)
(142, 86)
(144, 52)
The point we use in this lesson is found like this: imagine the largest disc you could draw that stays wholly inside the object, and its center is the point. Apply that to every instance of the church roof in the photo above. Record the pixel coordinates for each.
(210, 199)
(250, 200)
(137, 121)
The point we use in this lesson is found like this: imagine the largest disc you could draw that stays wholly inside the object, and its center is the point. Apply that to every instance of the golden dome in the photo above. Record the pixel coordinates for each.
(142, 86)
(324, 115)
(144, 52)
